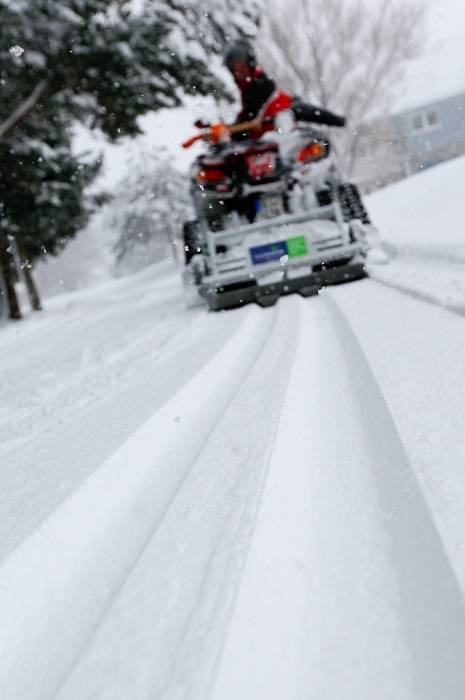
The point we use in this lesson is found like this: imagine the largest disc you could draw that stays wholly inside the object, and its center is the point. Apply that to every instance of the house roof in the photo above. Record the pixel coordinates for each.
(416, 103)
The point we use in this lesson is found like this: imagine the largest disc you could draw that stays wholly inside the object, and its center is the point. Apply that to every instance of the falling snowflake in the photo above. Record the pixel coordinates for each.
(17, 51)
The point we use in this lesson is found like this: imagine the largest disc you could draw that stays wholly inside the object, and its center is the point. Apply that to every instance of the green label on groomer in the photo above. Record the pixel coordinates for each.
(297, 247)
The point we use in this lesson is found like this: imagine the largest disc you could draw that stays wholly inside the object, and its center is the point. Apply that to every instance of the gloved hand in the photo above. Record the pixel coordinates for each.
(220, 133)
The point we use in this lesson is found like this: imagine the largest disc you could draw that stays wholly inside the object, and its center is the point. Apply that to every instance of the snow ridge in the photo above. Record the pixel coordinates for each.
(78, 562)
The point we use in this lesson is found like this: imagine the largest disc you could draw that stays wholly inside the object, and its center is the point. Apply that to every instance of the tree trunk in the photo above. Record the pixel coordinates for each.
(26, 271)
(8, 271)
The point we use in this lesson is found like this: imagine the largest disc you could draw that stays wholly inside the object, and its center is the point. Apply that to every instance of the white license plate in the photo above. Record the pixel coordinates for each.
(261, 165)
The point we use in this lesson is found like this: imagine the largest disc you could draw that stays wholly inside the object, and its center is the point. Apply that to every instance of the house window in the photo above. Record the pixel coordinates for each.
(426, 121)
(432, 118)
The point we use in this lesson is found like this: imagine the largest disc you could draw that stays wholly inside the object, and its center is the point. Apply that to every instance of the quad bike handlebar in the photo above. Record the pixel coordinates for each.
(222, 132)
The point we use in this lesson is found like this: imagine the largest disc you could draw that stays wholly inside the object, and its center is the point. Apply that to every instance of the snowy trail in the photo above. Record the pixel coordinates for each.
(80, 381)
(83, 551)
(417, 357)
(348, 591)
(175, 604)
(287, 522)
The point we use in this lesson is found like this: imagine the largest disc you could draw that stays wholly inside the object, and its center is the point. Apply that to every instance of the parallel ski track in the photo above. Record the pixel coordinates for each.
(211, 519)
(433, 603)
(90, 568)
(28, 503)
(355, 644)
(223, 599)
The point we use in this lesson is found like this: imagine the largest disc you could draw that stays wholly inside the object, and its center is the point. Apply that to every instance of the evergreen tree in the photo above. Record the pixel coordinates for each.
(214, 22)
(108, 63)
(103, 63)
(42, 186)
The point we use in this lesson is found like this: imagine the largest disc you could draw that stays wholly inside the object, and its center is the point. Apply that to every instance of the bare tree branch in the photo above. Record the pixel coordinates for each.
(347, 57)
(23, 110)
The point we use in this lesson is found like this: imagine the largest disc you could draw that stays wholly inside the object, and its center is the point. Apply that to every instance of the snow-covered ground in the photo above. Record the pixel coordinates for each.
(422, 221)
(252, 504)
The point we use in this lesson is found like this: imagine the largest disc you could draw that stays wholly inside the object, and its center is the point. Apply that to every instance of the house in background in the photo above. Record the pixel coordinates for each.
(411, 140)
(432, 133)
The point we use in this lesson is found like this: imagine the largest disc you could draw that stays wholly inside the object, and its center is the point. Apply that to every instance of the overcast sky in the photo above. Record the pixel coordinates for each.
(441, 68)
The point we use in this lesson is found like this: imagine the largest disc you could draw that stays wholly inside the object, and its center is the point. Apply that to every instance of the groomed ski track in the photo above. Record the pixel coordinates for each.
(285, 524)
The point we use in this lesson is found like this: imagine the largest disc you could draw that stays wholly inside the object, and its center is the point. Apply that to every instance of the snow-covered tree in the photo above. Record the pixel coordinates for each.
(146, 212)
(345, 56)
(108, 63)
(215, 21)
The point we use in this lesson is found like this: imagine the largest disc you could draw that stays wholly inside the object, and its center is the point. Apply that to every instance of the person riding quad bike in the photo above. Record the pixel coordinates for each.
(261, 100)
(273, 212)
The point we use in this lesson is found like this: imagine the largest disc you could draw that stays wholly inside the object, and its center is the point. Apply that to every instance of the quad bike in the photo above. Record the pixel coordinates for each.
(273, 217)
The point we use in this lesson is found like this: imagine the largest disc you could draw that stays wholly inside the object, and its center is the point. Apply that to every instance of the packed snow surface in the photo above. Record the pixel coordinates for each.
(423, 224)
(252, 504)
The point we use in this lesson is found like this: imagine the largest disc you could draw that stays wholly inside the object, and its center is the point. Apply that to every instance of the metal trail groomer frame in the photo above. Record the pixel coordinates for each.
(297, 262)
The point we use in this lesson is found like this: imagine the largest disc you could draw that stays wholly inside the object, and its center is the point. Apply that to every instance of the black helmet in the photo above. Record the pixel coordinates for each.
(239, 50)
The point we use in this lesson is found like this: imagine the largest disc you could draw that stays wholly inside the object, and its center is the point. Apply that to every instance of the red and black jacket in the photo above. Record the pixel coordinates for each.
(260, 97)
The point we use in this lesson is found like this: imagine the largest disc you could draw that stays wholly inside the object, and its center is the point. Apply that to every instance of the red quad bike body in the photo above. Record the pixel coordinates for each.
(273, 217)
